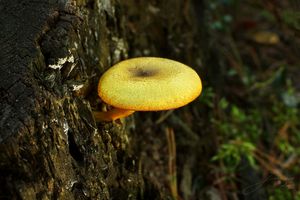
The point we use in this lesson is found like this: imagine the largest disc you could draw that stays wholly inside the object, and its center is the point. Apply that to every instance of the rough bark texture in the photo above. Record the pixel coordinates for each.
(52, 53)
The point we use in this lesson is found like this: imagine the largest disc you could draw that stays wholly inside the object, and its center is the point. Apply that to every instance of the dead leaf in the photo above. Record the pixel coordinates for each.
(266, 37)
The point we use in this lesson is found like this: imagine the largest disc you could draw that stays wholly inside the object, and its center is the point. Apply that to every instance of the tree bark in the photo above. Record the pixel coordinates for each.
(52, 53)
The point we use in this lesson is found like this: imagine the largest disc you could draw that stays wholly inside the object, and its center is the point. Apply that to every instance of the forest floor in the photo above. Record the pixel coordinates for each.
(253, 111)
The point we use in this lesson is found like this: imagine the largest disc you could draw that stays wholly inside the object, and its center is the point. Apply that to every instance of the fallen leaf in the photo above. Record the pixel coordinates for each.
(266, 37)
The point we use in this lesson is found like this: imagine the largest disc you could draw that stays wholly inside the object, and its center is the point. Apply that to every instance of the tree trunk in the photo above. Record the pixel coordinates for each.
(52, 53)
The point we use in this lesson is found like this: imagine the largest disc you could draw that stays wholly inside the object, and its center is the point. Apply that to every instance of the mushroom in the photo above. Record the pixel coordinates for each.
(146, 84)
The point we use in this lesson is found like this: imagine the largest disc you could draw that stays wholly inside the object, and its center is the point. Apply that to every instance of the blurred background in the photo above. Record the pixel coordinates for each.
(241, 138)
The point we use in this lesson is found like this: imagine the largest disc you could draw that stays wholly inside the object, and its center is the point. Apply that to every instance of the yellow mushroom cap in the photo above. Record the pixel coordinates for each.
(149, 84)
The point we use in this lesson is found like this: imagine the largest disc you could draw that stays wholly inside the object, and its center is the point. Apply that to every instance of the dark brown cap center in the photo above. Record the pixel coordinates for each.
(143, 73)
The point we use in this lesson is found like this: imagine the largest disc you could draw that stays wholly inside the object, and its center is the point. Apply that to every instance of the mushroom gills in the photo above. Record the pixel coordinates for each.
(113, 114)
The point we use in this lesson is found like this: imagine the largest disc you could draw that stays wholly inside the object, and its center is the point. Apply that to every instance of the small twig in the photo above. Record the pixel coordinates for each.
(172, 163)
(263, 155)
(219, 176)
(283, 164)
(164, 116)
(190, 134)
(271, 168)
(290, 161)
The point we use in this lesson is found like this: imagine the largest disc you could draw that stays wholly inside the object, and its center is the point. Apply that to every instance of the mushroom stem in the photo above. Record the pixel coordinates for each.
(113, 114)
